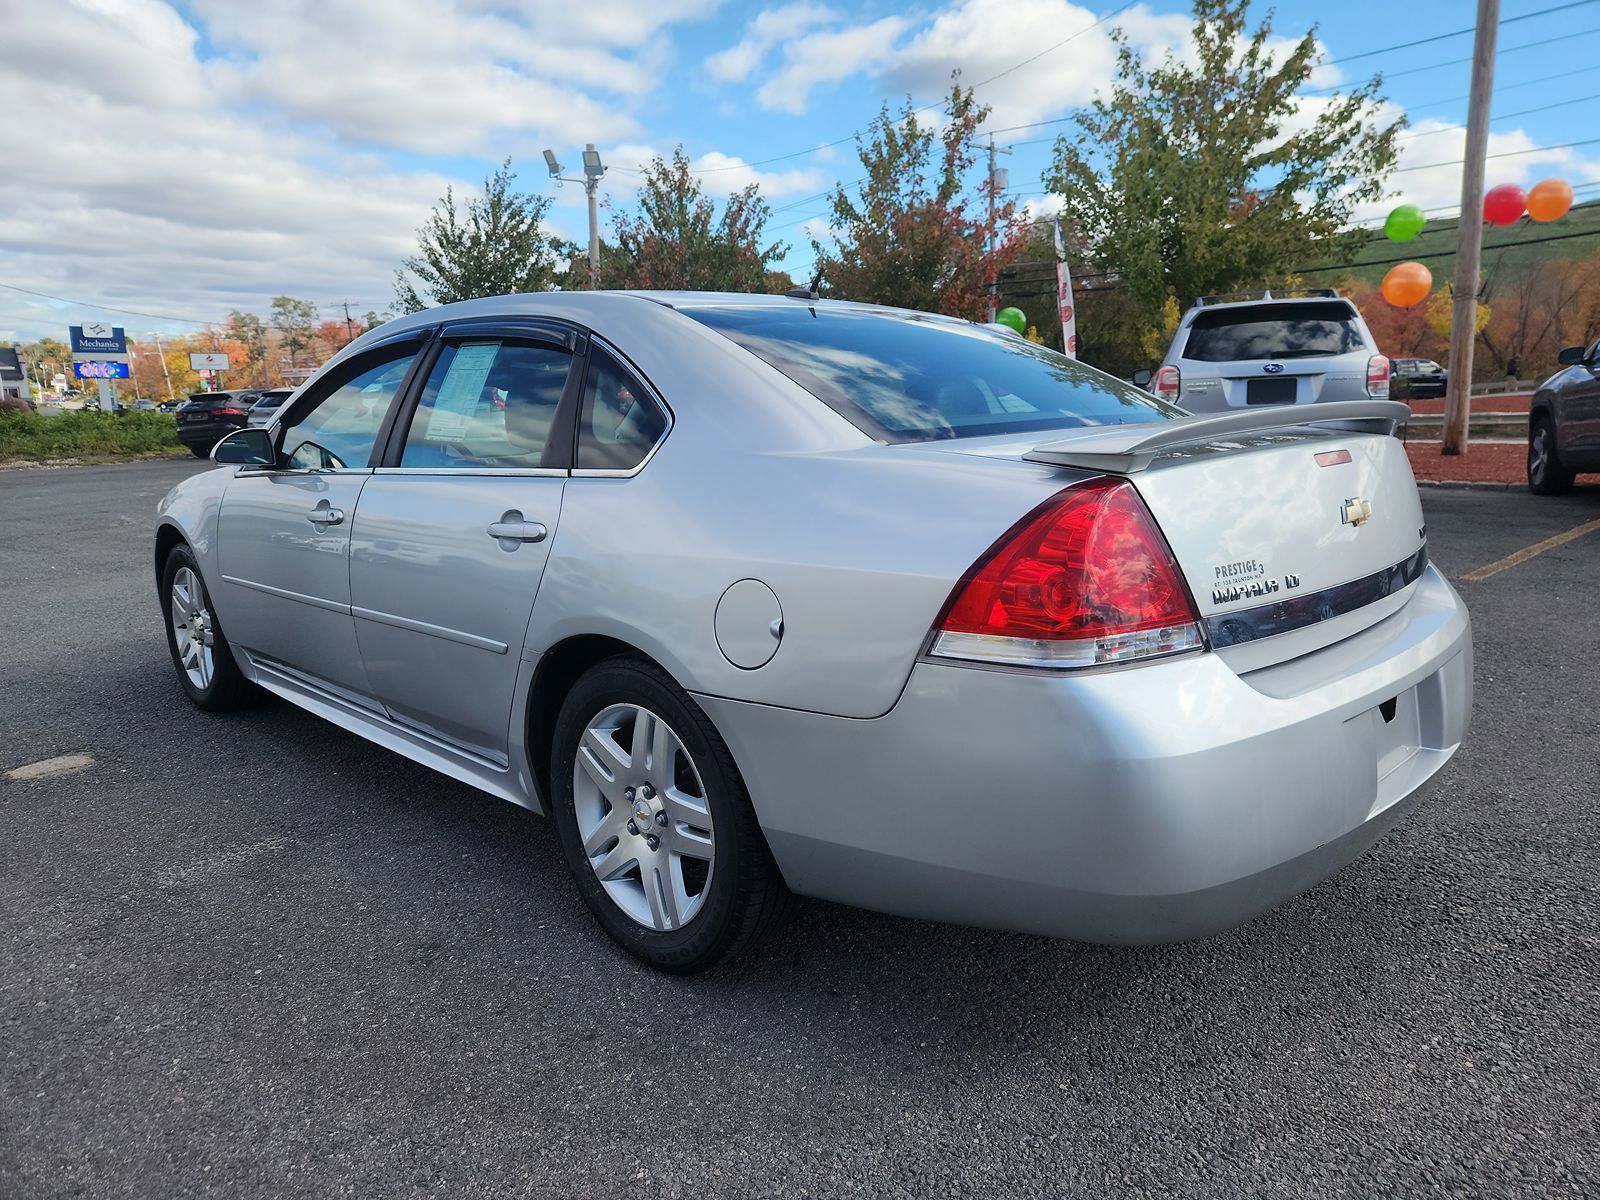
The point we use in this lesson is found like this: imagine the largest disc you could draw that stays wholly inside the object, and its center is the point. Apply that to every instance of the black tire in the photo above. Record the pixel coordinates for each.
(1546, 475)
(744, 896)
(199, 453)
(227, 688)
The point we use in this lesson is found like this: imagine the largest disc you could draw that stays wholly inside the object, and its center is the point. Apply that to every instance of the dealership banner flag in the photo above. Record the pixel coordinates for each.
(1069, 318)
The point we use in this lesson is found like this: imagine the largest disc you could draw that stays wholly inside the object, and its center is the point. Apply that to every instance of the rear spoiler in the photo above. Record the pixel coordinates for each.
(1124, 449)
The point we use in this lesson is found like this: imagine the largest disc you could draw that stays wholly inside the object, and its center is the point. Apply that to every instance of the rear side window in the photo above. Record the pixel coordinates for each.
(619, 423)
(903, 378)
(1274, 331)
(488, 404)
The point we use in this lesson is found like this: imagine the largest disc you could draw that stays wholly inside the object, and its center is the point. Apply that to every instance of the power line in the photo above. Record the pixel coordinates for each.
(1502, 117)
(1454, 62)
(132, 312)
(1384, 262)
(1440, 37)
(1455, 162)
(1508, 87)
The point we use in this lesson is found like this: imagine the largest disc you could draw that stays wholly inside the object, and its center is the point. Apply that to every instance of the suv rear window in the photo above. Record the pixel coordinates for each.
(903, 378)
(1315, 330)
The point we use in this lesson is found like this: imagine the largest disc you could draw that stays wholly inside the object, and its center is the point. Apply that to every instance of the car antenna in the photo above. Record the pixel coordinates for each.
(807, 293)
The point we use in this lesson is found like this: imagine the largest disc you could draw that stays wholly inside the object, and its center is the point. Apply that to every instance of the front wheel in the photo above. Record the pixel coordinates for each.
(656, 824)
(1546, 475)
(206, 669)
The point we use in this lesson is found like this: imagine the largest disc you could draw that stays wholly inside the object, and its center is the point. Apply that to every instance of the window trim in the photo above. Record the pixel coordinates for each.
(651, 390)
(321, 386)
(531, 330)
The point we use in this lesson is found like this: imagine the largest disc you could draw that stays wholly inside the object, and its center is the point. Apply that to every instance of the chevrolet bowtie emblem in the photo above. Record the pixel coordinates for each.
(1355, 511)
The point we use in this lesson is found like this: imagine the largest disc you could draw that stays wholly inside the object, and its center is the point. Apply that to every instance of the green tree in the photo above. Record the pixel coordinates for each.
(493, 246)
(915, 234)
(675, 237)
(1210, 173)
(296, 323)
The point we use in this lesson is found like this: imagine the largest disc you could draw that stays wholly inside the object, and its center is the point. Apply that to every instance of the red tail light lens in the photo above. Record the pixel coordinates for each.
(229, 412)
(1378, 377)
(1086, 579)
(1169, 383)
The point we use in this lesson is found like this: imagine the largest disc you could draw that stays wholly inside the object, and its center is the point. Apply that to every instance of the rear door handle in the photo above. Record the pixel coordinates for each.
(512, 528)
(322, 515)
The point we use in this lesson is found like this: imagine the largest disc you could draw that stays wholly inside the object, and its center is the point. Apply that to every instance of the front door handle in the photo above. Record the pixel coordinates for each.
(323, 515)
(512, 529)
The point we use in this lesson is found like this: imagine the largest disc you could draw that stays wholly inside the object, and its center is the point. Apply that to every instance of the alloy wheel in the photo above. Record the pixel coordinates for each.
(643, 816)
(193, 628)
(1539, 452)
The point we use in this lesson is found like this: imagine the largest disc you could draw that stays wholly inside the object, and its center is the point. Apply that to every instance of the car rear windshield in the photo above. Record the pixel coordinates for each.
(901, 378)
(1315, 330)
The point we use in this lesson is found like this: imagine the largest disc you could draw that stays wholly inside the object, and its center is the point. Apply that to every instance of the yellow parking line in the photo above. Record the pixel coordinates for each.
(1533, 551)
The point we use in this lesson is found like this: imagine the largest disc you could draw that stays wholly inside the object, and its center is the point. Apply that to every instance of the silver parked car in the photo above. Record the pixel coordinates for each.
(1308, 346)
(266, 407)
(1564, 422)
(757, 595)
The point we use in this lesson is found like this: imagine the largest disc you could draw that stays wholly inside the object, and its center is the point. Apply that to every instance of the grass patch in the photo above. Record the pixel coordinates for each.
(87, 436)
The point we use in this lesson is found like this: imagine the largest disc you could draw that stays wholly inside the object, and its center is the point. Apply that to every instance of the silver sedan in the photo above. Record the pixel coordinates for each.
(764, 595)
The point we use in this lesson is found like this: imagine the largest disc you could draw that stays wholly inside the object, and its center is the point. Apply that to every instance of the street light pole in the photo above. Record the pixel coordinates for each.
(593, 169)
(998, 179)
(1469, 235)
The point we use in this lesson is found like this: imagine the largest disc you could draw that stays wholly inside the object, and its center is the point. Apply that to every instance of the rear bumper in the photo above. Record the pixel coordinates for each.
(1150, 804)
(205, 435)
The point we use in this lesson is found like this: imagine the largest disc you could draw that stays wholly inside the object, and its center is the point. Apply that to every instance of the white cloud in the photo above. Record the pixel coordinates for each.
(765, 31)
(826, 57)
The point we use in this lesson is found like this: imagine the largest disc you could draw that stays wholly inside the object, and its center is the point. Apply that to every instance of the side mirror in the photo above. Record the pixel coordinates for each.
(1142, 378)
(1572, 356)
(246, 447)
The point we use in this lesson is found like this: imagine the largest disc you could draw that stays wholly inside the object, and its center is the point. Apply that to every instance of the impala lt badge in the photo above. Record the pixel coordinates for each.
(1355, 511)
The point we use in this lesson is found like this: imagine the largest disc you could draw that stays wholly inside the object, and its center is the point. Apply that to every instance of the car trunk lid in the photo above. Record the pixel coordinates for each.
(1292, 530)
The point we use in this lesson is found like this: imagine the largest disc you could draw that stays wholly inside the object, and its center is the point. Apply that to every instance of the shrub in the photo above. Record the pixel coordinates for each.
(86, 435)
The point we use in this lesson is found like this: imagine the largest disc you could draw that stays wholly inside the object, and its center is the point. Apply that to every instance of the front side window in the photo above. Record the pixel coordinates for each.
(1316, 330)
(487, 403)
(905, 378)
(618, 423)
(341, 428)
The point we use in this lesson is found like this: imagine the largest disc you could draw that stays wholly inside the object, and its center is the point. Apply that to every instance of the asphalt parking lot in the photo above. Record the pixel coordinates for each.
(256, 956)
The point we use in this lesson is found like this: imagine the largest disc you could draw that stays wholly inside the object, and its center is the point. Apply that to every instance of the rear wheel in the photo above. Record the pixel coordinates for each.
(1546, 475)
(198, 452)
(656, 824)
(204, 661)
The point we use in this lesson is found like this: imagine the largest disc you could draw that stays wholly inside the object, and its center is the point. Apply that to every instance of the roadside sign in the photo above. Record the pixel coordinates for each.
(96, 339)
(100, 370)
(208, 362)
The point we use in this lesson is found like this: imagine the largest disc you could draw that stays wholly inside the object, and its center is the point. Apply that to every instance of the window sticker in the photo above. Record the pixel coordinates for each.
(457, 402)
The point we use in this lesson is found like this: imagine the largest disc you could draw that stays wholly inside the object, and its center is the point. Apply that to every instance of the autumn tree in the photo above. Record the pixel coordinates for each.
(493, 245)
(914, 232)
(1212, 172)
(677, 236)
(296, 323)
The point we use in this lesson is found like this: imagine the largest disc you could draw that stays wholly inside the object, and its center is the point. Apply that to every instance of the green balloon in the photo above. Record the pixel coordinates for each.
(1404, 223)
(1014, 317)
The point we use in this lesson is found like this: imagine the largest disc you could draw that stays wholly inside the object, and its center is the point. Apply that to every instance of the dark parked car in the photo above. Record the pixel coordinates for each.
(1423, 377)
(209, 417)
(1564, 422)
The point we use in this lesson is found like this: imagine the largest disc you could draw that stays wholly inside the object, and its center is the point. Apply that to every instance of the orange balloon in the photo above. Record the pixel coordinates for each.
(1408, 284)
(1549, 199)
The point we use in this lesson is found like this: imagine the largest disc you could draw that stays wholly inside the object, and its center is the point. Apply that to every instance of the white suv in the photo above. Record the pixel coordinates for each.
(1252, 348)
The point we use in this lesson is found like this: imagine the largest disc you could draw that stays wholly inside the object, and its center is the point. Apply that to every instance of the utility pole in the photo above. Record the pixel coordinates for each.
(348, 332)
(166, 374)
(261, 345)
(999, 177)
(1469, 234)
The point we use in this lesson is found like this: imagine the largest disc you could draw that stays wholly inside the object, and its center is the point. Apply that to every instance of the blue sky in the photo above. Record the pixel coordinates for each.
(186, 158)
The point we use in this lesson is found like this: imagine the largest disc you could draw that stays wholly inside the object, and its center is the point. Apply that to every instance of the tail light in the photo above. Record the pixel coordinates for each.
(1083, 580)
(230, 412)
(1169, 383)
(1378, 377)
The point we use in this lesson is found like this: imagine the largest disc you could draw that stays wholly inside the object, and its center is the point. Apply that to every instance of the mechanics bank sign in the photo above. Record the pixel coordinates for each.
(93, 337)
